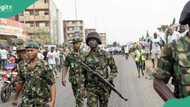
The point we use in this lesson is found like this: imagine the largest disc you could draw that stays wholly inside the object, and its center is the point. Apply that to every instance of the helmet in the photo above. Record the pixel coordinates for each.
(93, 35)
(32, 44)
(185, 15)
(76, 39)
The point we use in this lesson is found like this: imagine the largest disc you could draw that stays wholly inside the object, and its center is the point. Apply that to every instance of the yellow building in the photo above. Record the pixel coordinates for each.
(41, 20)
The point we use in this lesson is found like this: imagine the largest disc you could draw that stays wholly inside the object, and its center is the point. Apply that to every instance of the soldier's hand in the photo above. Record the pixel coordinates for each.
(63, 82)
(50, 104)
(83, 92)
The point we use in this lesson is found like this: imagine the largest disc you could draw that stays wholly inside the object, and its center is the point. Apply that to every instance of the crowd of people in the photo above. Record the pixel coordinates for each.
(37, 68)
(151, 47)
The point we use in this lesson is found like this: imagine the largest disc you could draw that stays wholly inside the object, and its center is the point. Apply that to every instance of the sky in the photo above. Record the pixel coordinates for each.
(123, 20)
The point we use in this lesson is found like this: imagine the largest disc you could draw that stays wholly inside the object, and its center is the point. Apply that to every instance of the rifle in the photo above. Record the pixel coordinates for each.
(103, 80)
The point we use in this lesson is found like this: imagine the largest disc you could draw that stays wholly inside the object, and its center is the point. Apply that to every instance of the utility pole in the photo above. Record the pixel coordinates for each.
(76, 15)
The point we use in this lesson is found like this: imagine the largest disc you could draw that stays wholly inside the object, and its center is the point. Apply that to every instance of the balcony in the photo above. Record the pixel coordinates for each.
(37, 29)
(34, 18)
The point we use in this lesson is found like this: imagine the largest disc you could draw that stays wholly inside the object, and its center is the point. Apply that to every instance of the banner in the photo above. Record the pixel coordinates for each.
(9, 8)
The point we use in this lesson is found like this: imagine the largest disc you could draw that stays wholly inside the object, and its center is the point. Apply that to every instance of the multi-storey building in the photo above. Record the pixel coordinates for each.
(41, 20)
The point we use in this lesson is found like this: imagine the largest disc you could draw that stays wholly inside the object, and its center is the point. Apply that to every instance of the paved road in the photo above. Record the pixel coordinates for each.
(138, 90)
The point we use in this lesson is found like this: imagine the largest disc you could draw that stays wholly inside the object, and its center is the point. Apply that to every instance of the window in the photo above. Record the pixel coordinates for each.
(32, 25)
(46, 24)
(45, 1)
(46, 13)
(33, 12)
(36, 13)
(37, 24)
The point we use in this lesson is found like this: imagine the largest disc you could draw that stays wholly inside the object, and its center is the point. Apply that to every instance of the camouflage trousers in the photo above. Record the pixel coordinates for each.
(78, 97)
(97, 96)
(34, 102)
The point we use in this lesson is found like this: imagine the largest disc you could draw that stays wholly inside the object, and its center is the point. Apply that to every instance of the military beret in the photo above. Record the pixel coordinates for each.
(76, 39)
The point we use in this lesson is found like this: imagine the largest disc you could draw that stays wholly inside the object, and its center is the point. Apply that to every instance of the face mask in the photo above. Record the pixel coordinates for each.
(93, 43)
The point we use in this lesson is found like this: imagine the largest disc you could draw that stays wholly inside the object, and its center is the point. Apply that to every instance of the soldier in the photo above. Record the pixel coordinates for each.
(175, 64)
(100, 61)
(21, 58)
(37, 79)
(76, 76)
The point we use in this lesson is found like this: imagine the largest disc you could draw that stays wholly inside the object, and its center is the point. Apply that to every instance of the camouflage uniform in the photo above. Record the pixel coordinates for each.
(36, 82)
(177, 66)
(76, 75)
(99, 61)
(175, 63)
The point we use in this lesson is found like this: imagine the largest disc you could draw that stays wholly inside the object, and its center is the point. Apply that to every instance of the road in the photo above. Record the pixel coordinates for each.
(139, 91)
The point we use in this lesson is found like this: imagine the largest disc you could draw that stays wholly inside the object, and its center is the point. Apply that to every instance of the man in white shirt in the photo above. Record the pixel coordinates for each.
(155, 49)
(51, 60)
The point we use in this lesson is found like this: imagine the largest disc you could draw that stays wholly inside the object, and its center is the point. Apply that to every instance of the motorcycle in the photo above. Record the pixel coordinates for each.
(8, 79)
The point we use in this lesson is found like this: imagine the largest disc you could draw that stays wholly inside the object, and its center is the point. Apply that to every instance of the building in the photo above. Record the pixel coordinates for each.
(41, 20)
(73, 28)
(103, 39)
(89, 30)
(10, 30)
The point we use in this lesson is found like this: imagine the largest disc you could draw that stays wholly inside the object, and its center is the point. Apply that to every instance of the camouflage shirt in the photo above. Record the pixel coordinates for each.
(175, 63)
(100, 61)
(37, 83)
(76, 72)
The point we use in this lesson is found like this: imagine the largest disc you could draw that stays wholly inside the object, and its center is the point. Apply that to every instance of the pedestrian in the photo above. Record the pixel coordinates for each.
(37, 79)
(45, 54)
(126, 51)
(4, 57)
(103, 63)
(57, 59)
(62, 59)
(140, 60)
(51, 60)
(21, 59)
(174, 63)
(155, 49)
(76, 75)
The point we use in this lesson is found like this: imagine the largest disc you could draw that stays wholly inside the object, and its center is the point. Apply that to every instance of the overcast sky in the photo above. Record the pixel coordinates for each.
(122, 20)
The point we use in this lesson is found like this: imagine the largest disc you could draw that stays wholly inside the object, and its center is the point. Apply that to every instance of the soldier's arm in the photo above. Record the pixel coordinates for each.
(162, 77)
(50, 79)
(19, 82)
(53, 94)
(64, 73)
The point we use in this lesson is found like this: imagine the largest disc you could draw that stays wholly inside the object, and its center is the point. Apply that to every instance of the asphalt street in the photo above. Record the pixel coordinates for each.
(139, 91)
